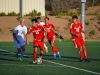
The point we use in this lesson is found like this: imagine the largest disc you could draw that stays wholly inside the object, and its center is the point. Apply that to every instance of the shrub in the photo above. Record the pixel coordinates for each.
(12, 14)
(34, 13)
(39, 14)
(98, 17)
(58, 16)
(87, 23)
(91, 33)
(3, 14)
(91, 18)
(19, 17)
(66, 39)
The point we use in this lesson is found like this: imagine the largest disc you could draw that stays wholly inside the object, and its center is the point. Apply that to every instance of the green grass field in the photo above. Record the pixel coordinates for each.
(68, 65)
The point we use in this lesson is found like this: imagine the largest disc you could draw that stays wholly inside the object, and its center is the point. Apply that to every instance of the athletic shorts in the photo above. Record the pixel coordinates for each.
(18, 45)
(51, 39)
(39, 44)
(78, 42)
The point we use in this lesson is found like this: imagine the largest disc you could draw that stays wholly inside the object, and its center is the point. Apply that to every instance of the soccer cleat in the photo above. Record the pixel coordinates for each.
(16, 55)
(87, 60)
(54, 56)
(40, 57)
(59, 56)
(82, 61)
(21, 59)
(34, 62)
(46, 50)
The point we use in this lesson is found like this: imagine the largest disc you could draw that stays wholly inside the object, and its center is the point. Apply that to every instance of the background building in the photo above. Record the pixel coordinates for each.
(22, 6)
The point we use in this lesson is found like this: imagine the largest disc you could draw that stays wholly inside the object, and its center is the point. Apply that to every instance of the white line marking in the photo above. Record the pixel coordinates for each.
(62, 65)
(29, 65)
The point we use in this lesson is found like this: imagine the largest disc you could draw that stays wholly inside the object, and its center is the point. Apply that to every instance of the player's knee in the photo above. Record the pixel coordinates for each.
(35, 49)
(23, 48)
(80, 48)
(19, 50)
(52, 44)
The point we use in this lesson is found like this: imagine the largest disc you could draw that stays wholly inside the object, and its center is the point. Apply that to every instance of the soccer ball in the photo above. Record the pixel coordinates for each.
(39, 61)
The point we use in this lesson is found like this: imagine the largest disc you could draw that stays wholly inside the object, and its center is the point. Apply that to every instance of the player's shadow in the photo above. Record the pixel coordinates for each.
(6, 59)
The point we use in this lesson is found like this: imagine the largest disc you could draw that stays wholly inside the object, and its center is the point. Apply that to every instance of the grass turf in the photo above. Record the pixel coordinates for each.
(9, 65)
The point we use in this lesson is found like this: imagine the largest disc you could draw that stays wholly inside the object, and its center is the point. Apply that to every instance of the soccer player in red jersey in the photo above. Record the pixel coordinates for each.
(76, 32)
(38, 41)
(50, 34)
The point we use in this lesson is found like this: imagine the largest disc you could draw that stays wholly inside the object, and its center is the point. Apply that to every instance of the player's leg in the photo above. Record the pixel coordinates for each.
(41, 46)
(22, 52)
(84, 50)
(35, 54)
(35, 43)
(77, 44)
(17, 45)
(46, 48)
(18, 51)
(54, 49)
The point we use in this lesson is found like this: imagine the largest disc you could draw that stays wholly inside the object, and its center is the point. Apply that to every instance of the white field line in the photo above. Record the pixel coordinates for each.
(30, 65)
(50, 46)
(63, 65)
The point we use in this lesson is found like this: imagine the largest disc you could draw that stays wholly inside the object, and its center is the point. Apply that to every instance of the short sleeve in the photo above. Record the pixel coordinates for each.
(15, 30)
(52, 26)
(25, 30)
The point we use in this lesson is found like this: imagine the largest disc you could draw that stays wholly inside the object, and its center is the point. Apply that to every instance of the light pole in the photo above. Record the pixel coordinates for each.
(83, 15)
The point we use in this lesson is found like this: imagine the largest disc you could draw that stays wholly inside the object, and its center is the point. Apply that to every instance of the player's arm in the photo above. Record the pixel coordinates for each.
(30, 30)
(71, 32)
(15, 35)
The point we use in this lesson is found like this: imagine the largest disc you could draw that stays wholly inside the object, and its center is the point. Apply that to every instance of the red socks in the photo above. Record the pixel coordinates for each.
(86, 54)
(81, 54)
(54, 49)
(34, 55)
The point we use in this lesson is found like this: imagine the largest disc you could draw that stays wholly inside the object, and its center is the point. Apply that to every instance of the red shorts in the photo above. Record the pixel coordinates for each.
(78, 42)
(39, 44)
(51, 39)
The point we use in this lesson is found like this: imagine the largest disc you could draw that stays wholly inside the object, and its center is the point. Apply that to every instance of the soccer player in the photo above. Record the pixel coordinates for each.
(76, 32)
(50, 34)
(38, 41)
(18, 36)
(42, 24)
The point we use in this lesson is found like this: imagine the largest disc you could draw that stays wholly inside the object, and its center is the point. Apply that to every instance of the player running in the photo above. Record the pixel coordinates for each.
(18, 37)
(50, 34)
(76, 32)
(42, 24)
(38, 41)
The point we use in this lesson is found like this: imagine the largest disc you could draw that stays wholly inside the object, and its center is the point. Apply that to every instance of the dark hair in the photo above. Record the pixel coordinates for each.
(38, 17)
(35, 20)
(46, 18)
(74, 16)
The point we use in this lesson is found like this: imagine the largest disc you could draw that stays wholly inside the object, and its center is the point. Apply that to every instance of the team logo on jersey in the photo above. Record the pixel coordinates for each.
(37, 31)
(48, 29)
(77, 29)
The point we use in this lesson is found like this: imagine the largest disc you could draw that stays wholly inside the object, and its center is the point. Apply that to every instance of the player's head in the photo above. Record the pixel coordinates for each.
(34, 21)
(21, 21)
(46, 19)
(74, 18)
(38, 19)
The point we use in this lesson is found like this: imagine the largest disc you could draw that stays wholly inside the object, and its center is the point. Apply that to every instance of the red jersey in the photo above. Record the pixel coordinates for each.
(49, 27)
(38, 32)
(77, 29)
